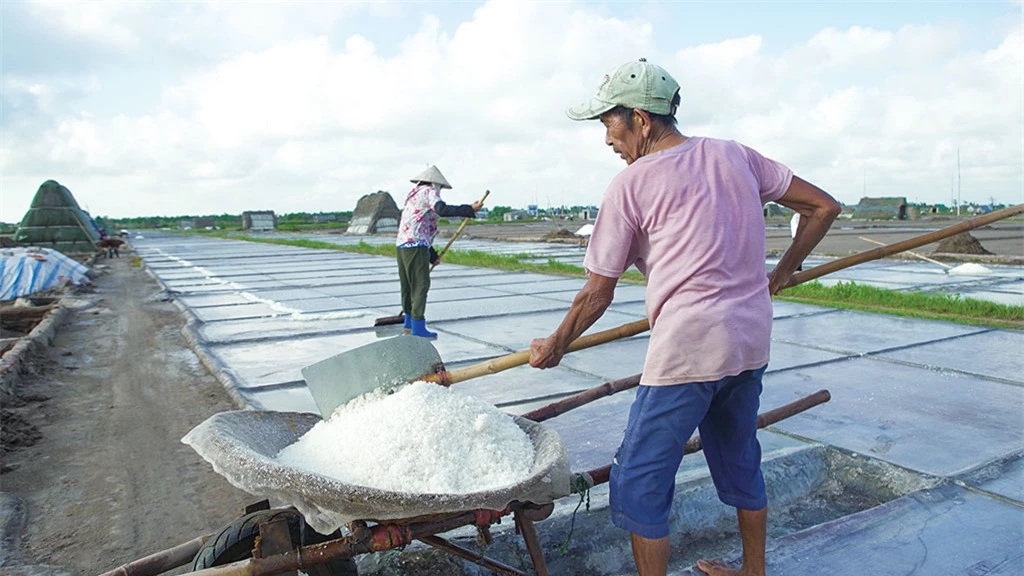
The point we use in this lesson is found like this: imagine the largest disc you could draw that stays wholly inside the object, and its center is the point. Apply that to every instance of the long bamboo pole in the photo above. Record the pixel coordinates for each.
(609, 388)
(909, 244)
(450, 377)
(626, 330)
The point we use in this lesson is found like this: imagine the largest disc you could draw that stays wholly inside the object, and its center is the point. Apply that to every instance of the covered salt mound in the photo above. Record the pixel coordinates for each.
(962, 243)
(55, 220)
(375, 213)
(242, 446)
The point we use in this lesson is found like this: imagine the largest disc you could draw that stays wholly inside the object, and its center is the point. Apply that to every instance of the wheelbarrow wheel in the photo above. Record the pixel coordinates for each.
(235, 542)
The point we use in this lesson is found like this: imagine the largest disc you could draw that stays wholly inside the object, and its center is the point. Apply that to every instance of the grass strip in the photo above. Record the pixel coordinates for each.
(521, 262)
(845, 295)
(951, 307)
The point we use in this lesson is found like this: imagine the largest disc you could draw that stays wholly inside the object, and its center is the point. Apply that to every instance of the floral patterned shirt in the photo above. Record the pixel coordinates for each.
(419, 221)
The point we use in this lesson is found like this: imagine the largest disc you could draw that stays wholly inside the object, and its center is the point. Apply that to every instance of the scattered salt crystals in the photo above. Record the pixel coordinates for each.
(424, 438)
(969, 268)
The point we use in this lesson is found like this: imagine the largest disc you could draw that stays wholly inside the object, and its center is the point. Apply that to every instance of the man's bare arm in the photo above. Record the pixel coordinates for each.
(590, 303)
(817, 212)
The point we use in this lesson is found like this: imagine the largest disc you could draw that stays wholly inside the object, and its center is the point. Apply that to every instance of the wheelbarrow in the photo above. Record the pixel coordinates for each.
(265, 542)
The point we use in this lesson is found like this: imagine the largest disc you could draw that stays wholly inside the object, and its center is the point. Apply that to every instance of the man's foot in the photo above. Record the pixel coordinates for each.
(719, 568)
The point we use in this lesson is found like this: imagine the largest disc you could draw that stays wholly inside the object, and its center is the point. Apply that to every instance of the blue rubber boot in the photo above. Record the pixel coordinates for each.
(419, 328)
(408, 323)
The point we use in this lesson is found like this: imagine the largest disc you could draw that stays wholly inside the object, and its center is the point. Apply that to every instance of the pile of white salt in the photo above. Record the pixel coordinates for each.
(424, 438)
(969, 269)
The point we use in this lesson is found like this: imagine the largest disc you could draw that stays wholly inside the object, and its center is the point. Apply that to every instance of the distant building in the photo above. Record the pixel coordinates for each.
(187, 223)
(531, 209)
(589, 213)
(375, 213)
(205, 223)
(483, 214)
(259, 220)
(894, 208)
(514, 215)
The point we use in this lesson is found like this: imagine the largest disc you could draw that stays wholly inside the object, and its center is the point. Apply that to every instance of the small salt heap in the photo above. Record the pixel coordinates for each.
(424, 438)
(969, 269)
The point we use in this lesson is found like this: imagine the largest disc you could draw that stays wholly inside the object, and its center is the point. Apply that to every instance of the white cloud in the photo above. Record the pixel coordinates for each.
(277, 112)
(107, 23)
(838, 48)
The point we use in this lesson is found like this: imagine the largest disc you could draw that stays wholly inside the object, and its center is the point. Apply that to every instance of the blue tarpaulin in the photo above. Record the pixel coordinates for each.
(25, 271)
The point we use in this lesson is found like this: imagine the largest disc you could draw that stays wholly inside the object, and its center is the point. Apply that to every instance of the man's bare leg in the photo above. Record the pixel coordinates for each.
(651, 555)
(753, 533)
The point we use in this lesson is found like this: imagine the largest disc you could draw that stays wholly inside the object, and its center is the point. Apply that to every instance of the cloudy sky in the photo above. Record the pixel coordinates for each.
(169, 108)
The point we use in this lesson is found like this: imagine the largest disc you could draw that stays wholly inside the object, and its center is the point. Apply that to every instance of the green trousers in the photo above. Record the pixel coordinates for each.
(414, 274)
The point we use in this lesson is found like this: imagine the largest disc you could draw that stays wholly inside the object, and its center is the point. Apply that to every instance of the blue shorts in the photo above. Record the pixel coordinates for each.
(661, 420)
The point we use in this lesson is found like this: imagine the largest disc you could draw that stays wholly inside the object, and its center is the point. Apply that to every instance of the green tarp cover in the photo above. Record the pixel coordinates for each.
(56, 221)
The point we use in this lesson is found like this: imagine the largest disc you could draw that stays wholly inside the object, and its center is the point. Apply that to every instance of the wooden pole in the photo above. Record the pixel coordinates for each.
(495, 365)
(910, 244)
(631, 329)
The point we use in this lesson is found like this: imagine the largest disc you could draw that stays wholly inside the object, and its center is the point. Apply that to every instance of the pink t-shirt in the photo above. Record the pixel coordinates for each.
(419, 221)
(691, 219)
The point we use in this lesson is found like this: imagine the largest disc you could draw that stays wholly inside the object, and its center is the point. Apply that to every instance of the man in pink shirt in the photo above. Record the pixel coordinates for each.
(687, 212)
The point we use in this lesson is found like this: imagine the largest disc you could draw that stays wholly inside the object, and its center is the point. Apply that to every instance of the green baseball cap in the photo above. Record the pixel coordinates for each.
(637, 84)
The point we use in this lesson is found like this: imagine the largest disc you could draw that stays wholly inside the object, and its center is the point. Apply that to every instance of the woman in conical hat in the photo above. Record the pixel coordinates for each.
(416, 232)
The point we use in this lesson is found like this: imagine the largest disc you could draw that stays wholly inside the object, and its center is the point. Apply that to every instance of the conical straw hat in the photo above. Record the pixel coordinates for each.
(432, 175)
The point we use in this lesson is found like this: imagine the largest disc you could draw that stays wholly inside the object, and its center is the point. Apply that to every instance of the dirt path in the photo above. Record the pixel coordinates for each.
(109, 480)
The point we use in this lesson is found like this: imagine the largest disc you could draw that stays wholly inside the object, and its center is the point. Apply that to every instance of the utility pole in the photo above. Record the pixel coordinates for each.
(952, 189)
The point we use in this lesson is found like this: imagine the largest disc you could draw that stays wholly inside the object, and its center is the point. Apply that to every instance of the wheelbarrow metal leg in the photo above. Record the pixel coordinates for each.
(525, 527)
(467, 554)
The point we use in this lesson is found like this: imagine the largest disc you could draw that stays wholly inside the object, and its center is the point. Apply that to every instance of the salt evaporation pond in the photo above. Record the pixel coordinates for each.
(424, 438)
